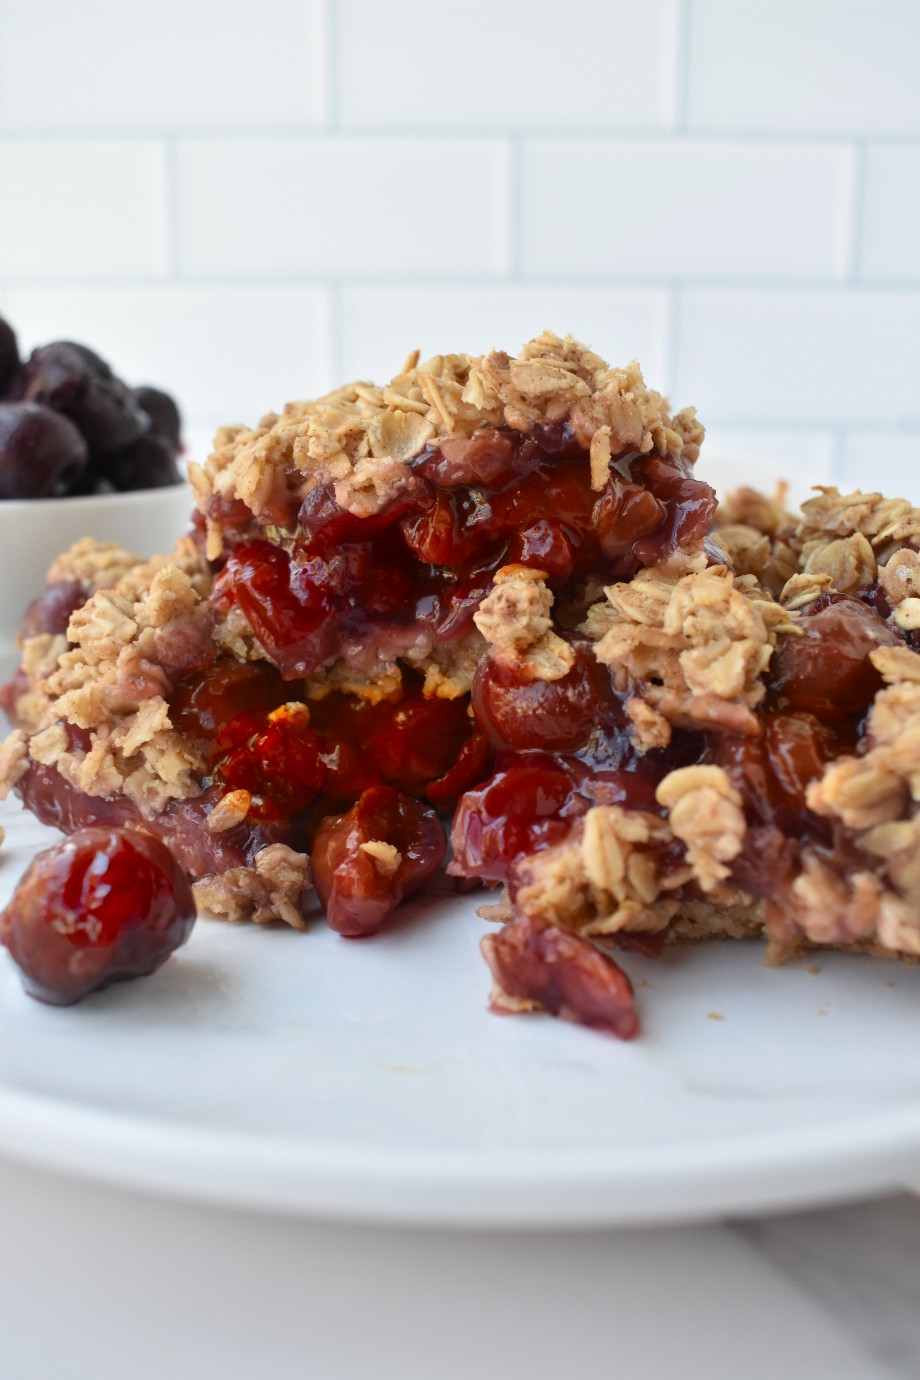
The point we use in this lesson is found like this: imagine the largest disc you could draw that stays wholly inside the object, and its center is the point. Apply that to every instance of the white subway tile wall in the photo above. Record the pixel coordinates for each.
(253, 202)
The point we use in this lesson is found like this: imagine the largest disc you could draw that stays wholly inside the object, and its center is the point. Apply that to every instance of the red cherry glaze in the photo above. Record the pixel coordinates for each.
(276, 756)
(103, 905)
(825, 670)
(626, 513)
(417, 741)
(440, 533)
(774, 770)
(358, 890)
(289, 615)
(201, 704)
(519, 810)
(517, 711)
(545, 545)
(471, 766)
(487, 458)
(563, 974)
(689, 504)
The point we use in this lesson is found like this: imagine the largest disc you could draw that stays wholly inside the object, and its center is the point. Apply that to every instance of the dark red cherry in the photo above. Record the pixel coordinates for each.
(288, 612)
(440, 534)
(147, 463)
(563, 974)
(50, 612)
(689, 504)
(367, 861)
(41, 453)
(9, 356)
(73, 380)
(517, 711)
(825, 669)
(773, 771)
(625, 512)
(487, 457)
(164, 415)
(102, 905)
(277, 757)
(418, 740)
(201, 704)
(546, 546)
(519, 810)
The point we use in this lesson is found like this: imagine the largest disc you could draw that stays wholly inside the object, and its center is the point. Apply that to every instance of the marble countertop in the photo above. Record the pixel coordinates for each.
(98, 1283)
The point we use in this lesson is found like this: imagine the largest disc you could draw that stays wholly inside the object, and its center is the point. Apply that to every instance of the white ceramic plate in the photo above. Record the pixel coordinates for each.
(312, 1074)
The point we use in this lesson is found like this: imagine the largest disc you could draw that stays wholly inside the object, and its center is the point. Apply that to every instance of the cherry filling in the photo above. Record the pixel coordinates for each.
(366, 861)
(826, 669)
(564, 745)
(417, 571)
(519, 712)
(182, 824)
(819, 687)
(293, 758)
(773, 771)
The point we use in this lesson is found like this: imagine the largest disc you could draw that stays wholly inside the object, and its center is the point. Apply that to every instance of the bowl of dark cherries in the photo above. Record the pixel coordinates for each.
(82, 454)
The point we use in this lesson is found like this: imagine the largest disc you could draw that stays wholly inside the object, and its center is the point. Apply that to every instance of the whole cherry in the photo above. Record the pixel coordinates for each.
(100, 906)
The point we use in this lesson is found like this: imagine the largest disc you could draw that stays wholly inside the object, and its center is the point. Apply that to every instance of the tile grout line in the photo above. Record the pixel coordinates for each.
(672, 350)
(683, 25)
(592, 134)
(858, 212)
(330, 51)
(335, 331)
(171, 209)
(513, 208)
(893, 289)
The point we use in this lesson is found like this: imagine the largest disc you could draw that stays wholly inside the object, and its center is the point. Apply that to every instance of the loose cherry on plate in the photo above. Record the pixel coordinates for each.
(102, 905)
(368, 860)
(563, 974)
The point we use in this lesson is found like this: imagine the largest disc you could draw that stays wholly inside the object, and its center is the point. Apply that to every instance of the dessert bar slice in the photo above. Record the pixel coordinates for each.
(492, 598)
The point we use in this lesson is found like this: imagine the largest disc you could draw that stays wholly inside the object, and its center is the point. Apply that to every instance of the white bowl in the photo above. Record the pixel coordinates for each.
(34, 530)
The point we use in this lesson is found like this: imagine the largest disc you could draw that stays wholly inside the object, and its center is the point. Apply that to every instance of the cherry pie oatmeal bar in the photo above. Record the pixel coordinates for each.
(493, 598)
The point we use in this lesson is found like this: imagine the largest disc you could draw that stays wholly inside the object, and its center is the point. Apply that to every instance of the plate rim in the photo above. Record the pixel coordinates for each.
(680, 1182)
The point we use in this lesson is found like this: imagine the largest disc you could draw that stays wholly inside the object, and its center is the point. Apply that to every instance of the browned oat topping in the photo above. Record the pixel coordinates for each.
(516, 620)
(361, 437)
(274, 888)
(128, 645)
(693, 647)
(606, 876)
